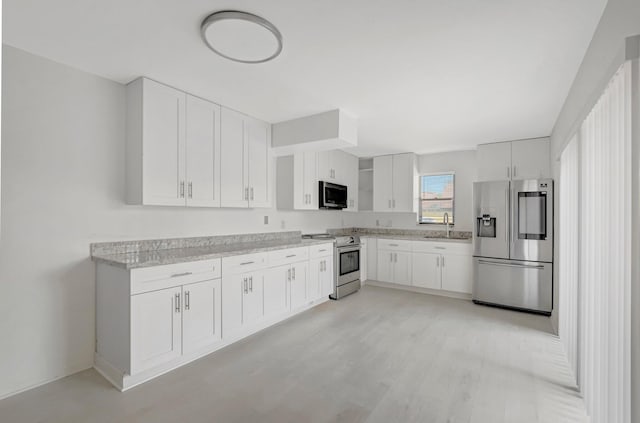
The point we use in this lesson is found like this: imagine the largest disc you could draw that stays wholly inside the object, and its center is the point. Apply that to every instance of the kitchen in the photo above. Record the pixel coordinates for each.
(78, 170)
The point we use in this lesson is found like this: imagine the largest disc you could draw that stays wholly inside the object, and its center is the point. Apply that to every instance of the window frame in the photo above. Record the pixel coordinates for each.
(453, 199)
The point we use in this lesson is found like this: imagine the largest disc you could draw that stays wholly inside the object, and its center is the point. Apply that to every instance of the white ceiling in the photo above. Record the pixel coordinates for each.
(420, 75)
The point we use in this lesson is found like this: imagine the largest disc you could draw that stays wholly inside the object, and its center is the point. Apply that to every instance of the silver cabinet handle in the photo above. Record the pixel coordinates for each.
(508, 172)
(525, 266)
(324, 249)
(181, 189)
(177, 275)
(391, 257)
(186, 300)
(245, 287)
(251, 193)
(177, 303)
(190, 189)
(440, 248)
(506, 216)
(289, 275)
(442, 257)
(293, 273)
(290, 255)
(394, 245)
(438, 261)
(246, 263)
(246, 193)
(251, 283)
(514, 171)
(389, 203)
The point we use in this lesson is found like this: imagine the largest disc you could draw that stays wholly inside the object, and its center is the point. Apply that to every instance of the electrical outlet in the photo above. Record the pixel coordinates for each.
(377, 222)
(266, 220)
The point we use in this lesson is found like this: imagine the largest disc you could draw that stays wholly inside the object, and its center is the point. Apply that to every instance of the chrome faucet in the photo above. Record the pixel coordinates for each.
(446, 222)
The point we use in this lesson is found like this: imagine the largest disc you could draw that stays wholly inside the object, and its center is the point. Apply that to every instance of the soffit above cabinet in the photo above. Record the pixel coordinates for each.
(324, 131)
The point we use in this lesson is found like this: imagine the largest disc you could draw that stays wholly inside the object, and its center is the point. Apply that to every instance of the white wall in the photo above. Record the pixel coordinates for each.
(463, 163)
(62, 188)
(621, 19)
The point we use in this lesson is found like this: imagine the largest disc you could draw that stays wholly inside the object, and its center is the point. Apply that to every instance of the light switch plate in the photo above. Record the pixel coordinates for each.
(266, 220)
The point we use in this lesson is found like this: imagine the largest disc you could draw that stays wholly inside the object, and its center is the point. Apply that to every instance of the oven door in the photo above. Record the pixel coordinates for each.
(348, 264)
(532, 220)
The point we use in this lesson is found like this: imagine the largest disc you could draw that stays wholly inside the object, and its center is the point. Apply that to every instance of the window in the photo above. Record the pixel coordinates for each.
(436, 198)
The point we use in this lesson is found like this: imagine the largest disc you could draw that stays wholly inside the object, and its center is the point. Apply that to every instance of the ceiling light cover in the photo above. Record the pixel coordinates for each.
(241, 36)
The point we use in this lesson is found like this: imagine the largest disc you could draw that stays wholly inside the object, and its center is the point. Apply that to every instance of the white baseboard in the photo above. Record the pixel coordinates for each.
(420, 290)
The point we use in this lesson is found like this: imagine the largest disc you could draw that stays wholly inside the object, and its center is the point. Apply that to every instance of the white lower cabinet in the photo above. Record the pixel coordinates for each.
(457, 273)
(298, 283)
(151, 320)
(202, 315)
(426, 270)
(155, 328)
(394, 267)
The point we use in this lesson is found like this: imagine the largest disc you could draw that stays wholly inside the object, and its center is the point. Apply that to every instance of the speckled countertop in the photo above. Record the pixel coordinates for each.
(406, 234)
(137, 254)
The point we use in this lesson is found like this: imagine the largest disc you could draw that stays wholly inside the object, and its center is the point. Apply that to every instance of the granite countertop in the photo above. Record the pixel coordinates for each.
(407, 234)
(148, 258)
(418, 238)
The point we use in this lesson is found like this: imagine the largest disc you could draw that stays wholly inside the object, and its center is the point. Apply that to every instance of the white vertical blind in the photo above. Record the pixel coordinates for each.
(569, 252)
(605, 258)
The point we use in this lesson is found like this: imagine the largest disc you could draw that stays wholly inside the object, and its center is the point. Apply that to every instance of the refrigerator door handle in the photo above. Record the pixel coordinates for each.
(506, 216)
(527, 266)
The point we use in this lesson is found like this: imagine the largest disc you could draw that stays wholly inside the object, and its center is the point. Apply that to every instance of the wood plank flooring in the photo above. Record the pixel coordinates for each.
(381, 355)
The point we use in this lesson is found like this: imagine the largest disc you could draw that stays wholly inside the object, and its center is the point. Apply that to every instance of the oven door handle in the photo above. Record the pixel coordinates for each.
(348, 249)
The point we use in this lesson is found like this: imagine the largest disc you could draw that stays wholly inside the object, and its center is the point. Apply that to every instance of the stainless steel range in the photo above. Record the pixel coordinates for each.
(346, 260)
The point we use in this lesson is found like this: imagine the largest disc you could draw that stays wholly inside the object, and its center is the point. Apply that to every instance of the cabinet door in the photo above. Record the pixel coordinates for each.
(530, 159)
(385, 266)
(372, 259)
(276, 293)
(234, 187)
(404, 181)
(203, 153)
(155, 328)
(164, 145)
(202, 315)
(258, 135)
(327, 277)
(299, 284)
(494, 161)
(363, 258)
(311, 179)
(325, 166)
(382, 183)
(457, 273)
(352, 175)
(402, 268)
(233, 287)
(314, 279)
(253, 298)
(426, 270)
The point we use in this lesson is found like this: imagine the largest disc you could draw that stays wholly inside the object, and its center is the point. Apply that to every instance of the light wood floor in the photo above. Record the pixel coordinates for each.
(380, 355)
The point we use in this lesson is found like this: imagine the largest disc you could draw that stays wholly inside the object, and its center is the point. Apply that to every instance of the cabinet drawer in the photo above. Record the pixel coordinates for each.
(441, 247)
(170, 275)
(244, 263)
(321, 250)
(289, 255)
(394, 244)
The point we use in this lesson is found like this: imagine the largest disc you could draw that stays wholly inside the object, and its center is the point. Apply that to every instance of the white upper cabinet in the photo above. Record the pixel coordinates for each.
(494, 161)
(155, 144)
(530, 159)
(395, 183)
(298, 176)
(246, 161)
(202, 153)
(382, 183)
(513, 160)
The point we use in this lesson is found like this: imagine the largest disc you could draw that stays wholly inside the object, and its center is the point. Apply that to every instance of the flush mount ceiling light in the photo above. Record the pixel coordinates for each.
(241, 37)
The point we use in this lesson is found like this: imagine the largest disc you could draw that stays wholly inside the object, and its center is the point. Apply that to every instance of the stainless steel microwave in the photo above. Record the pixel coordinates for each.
(332, 196)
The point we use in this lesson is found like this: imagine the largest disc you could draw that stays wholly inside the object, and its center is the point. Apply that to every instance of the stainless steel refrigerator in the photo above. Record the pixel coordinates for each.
(513, 244)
